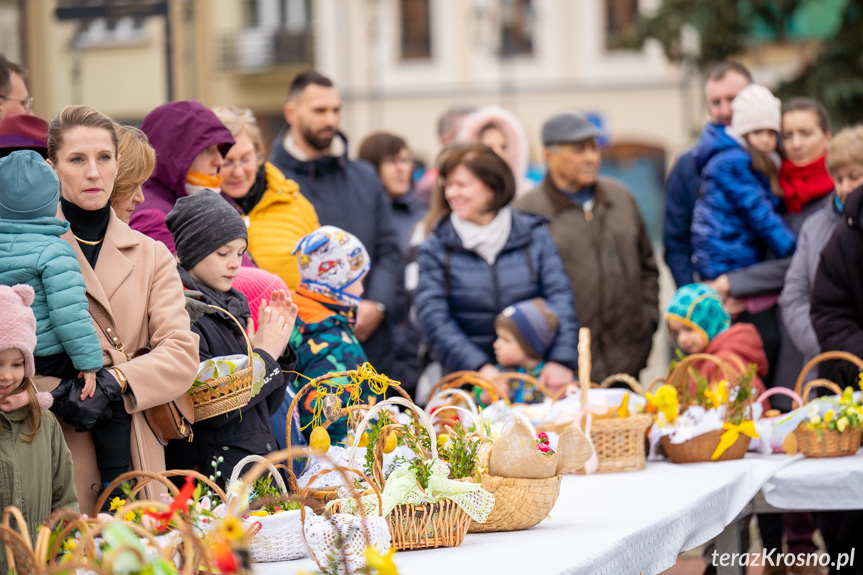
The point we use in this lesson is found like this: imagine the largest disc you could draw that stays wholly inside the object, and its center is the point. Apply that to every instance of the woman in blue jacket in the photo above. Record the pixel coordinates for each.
(482, 257)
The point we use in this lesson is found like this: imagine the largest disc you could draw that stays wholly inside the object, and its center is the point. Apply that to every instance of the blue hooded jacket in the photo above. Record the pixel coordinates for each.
(32, 253)
(459, 294)
(735, 215)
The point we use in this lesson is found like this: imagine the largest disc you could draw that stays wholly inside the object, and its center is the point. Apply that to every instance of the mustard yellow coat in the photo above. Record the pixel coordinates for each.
(277, 223)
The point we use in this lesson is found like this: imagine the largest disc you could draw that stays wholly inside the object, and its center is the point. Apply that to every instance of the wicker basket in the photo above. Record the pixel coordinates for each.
(700, 449)
(426, 526)
(825, 442)
(320, 497)
(227, 393)
(518, 503)
(619, 442)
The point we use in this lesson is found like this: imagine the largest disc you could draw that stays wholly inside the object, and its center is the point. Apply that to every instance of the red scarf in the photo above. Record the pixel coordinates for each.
(803, 184)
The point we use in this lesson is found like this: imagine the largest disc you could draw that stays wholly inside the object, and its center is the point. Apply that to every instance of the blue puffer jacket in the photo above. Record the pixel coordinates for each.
(459, 294)
(735, 214)
(31, 252)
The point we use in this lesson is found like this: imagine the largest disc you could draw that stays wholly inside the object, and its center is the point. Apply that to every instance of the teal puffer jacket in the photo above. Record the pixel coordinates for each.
(31, 252)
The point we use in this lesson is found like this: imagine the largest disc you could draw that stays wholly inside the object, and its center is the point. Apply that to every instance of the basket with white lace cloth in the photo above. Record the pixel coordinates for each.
(422, 517)
(337, 542)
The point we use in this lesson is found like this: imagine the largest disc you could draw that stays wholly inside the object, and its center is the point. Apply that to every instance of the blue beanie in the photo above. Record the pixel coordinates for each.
(700, 308)
(533, 323)
(29, 188)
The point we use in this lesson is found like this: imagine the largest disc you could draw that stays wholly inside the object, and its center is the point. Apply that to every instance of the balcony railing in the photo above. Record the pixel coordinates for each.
(253, 50)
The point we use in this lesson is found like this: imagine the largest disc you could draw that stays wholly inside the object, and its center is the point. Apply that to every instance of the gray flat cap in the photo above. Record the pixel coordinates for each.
(568, 128)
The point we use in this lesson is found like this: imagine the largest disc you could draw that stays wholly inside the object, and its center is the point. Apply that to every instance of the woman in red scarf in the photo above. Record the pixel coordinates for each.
(805, 137)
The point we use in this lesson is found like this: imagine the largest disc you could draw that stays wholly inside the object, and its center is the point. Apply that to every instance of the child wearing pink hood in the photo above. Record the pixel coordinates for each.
(35, 463)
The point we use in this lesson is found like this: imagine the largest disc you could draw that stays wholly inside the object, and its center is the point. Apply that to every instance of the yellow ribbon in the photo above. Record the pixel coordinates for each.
(732, 432)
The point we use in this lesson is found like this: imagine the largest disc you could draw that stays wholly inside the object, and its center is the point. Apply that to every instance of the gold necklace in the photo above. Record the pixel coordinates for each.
(88, 243)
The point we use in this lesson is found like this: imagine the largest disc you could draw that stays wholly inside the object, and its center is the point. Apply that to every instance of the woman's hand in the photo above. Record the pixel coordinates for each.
(720, 285)
(554, 376)
(273, 331)
(369, 319)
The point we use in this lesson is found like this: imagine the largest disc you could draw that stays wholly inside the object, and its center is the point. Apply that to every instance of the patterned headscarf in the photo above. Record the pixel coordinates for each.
(699, 308)
(330, 259)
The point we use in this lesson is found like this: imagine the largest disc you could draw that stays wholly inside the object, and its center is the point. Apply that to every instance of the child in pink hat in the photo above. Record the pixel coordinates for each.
(31, 441)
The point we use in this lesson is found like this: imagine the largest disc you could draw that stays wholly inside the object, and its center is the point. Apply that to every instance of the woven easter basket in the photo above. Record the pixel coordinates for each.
(826, 442)
(700, 449)
(321, 496)
(618, 441)
(425, 526)
(227, 393)
(518, 503)
(276, 537)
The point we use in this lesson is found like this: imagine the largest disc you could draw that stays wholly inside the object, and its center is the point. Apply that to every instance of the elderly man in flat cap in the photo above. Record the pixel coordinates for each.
(604, 245)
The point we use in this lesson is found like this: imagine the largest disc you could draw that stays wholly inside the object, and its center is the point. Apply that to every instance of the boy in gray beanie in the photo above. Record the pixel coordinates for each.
(525, 331)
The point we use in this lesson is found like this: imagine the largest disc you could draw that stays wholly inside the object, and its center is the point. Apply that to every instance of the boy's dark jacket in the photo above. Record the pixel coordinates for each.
(240, 432)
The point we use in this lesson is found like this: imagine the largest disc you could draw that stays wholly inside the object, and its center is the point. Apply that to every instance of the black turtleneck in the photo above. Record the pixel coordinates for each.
(88, 225)
(248, 202)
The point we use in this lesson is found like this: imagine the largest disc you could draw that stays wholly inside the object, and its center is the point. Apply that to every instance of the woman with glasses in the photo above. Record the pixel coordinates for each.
(276, 213)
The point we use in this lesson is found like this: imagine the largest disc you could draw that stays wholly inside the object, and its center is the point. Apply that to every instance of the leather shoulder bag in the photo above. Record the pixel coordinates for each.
(171, 420)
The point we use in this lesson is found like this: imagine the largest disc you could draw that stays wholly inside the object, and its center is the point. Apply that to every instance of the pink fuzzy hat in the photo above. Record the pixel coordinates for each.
(17, 323)
(257, 284)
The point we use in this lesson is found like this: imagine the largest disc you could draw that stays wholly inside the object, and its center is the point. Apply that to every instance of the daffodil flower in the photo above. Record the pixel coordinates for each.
(383, 563)
(828, 416)
(117, 504)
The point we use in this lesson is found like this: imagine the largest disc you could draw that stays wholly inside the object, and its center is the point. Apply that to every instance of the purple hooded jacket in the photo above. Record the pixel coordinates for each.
(178, 131)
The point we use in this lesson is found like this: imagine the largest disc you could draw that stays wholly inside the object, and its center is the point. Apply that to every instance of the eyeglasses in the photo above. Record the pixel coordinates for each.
(26, 102)
(230, 165)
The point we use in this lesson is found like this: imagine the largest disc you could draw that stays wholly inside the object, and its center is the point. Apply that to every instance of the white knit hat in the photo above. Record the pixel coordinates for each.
(755, 108)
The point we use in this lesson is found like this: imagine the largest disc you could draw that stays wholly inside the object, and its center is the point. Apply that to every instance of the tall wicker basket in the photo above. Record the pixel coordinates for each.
(425, 526)
(826, 442)
(619, 441)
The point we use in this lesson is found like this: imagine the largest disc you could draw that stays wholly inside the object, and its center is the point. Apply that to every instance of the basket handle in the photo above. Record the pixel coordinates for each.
(421, 415)
(120, 479)
(795, 398)
(584, 364)
(242, 330)
(254, 458)
(820, 383)
(292, 478)
(473, 417)
(444, 393)
(344, 471)
(461, 378)
(826, 356)
(523, 377)
(633, 383)
(10, 513)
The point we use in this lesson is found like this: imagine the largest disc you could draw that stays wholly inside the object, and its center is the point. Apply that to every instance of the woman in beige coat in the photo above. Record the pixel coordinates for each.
(131, 276)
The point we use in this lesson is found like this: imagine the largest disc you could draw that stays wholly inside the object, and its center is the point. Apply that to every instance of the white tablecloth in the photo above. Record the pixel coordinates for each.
(826, 484)
(616, 523)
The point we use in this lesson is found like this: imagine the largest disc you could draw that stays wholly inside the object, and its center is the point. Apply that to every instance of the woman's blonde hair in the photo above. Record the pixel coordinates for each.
(137, 160)
(77, 117)
(845, 148)
(242, 120)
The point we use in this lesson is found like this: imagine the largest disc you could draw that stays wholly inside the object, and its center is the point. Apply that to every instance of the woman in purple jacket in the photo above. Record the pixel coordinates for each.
(190, 143)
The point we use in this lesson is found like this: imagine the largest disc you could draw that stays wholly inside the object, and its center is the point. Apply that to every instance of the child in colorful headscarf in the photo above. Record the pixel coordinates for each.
(700, 324)
(332, 264)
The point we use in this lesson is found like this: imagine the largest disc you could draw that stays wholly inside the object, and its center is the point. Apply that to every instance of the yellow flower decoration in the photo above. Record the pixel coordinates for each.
(117, 504)
(842, 423)
(258, 513)
(231, 528)
(666, 402)
(69, 545)
(860, 380)
(828, 416)
(384, 564)
(130, 516)
(718, 397)
(815, 420)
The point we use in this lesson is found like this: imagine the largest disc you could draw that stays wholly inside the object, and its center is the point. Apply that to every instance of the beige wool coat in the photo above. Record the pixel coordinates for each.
(136, 280)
